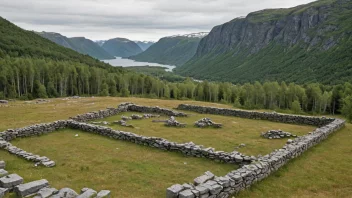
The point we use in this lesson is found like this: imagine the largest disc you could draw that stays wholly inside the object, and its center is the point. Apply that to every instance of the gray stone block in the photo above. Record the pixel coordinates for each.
(90, 193)
(2, 165)
(46, 192)
(65, 193)
(186, 194)
(3, 173)
(23, 190)
(203, 178)
(104, 194)
(10, 181)
(3, 192)
(173, 191)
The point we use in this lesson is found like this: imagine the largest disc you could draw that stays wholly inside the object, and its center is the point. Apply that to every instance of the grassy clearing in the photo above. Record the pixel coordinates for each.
(324, 171)
(234, 132)
(128, 170)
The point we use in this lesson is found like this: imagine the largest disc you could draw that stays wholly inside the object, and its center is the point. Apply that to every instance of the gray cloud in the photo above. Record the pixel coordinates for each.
(134, 19)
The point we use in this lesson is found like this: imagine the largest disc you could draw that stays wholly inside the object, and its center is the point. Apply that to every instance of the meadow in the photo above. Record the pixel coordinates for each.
(130, 170)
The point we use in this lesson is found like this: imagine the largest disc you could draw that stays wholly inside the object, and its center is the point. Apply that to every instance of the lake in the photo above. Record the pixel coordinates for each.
(129, 63)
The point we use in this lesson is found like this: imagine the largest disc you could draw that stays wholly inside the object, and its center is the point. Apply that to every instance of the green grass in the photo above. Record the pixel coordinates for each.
(90, 160)
(234, 132)
(323, 171)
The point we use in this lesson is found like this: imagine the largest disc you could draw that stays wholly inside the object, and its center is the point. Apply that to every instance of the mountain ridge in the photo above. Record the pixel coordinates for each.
(121, 47)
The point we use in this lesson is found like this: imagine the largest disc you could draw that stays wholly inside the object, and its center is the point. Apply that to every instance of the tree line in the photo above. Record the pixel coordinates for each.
(29, 78)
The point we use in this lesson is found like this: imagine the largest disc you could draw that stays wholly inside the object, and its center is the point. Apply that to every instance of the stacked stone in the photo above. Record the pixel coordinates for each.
(189, 149)
(275, 117)
(4, 102)
(125, 118)
(136, 117)
(41, 188)
(156, 110)
(34, 130)
(277, 134)
(209, 185)
(206, 122)
(123, 123)
(26, 155)
(172, 122)
(147, 116)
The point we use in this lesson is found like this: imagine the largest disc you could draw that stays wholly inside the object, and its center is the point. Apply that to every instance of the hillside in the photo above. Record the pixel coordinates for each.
(307, 43)
(121, 47)
(174, 50)
(79, 44)
(144, 45)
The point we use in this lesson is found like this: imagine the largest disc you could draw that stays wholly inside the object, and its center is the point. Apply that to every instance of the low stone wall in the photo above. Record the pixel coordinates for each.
(209, 185)
(158, 110)
(275, 117)
(189, 149)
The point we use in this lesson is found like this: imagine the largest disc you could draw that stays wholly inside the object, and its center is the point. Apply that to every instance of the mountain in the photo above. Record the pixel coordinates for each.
(79, 44)
(307, 43)
(16, 42)
(100, 42)
(173, 50)
(121, 47)
(144, 45)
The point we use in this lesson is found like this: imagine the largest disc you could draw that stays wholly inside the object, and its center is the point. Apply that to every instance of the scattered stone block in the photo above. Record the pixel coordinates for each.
(26, 189)
(104, 194)
(10, 181)
(3, 173)
(203, 178)
(4, 102)
(173, 122)
(3, 192)
(49, 164)
(89, 193)
(2, 163)
(46, 192)
(65, 193)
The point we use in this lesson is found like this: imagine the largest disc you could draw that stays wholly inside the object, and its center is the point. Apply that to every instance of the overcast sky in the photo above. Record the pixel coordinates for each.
(133, 19)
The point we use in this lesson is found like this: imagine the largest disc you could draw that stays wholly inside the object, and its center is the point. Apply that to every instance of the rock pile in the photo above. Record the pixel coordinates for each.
(4, 102)
(136, 117)
(172, 122)
(277, 134)
(41, 188)
(123, 123)
(147, 116)
(206, 122)
(125, 118)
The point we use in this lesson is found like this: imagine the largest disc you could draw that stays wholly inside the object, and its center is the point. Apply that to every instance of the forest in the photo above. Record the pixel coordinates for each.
(29, 78)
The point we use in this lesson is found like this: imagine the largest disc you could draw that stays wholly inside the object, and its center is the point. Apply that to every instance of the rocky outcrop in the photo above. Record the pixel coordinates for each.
(277, 134)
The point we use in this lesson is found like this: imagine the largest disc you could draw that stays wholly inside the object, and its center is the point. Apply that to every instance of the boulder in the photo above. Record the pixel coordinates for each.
(26, 189)
(3, 192)
(4, 102)
(10, 181)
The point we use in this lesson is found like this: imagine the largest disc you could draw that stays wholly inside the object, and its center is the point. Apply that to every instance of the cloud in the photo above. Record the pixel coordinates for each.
(134, 19)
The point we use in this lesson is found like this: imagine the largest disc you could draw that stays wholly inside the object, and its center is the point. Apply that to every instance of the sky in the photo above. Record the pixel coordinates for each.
(145, 20)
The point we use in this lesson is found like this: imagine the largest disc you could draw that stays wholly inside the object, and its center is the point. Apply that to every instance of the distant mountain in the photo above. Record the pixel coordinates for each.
(172, 50)
(144, 45)
(79, 44)
(121, 47)
(307, 43)
(100, 42)
(18, 43)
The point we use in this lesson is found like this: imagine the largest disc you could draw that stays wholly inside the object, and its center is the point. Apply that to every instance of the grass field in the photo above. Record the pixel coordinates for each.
(234, 132)
(323, 171)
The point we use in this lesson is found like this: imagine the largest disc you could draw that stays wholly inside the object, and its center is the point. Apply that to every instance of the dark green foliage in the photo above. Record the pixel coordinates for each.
(121, 47)
(347, 108)
(158, 72)
(325, 59)
(170, 51)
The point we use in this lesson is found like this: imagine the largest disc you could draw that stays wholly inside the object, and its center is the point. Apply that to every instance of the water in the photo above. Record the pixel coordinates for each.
(129, 63)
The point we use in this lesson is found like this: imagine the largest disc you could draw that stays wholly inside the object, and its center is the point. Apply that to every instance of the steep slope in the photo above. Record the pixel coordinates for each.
(79, 44)
(144, 45)
(174, 50)
(121, 47)
(16, 42)
(307, 43)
